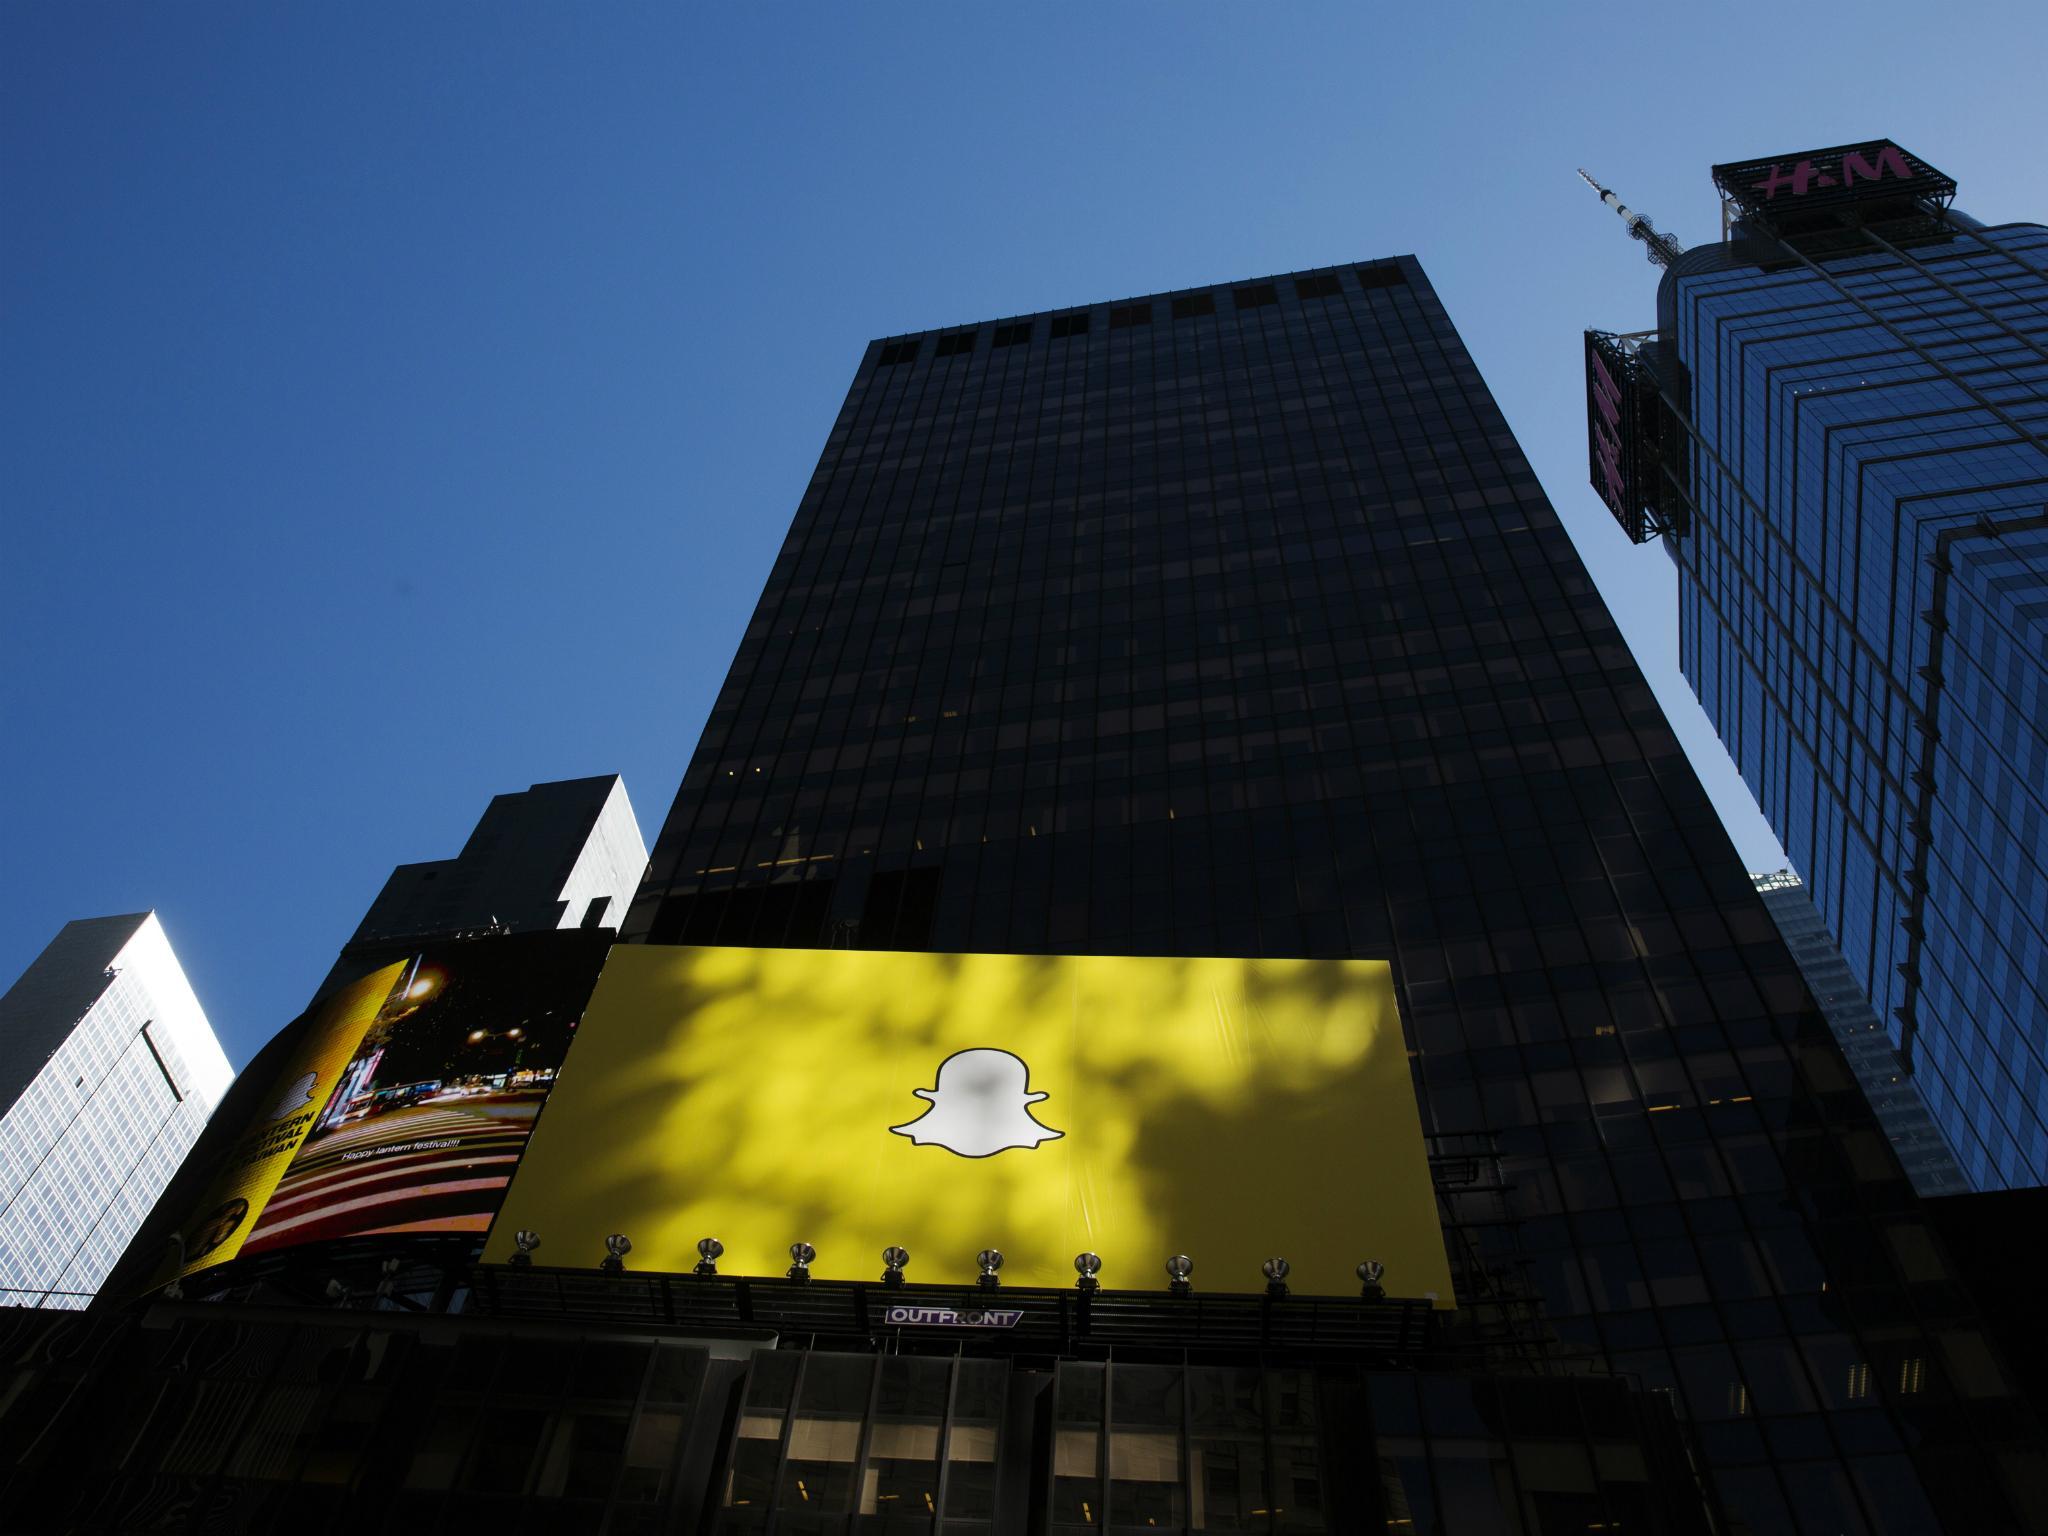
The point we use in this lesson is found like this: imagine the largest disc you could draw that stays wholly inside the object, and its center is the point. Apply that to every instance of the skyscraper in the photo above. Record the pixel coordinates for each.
(1841, 427)
(108, 1071)
(1232, 621)
(1922, 1151)
(566, 854)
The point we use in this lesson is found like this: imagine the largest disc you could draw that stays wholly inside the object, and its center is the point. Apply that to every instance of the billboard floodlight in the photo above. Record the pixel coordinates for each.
(1178, 1269)
(525, 1240)
(800, 1257)
(893, 1260)
(616, 1247)
(1276, 1271)
(990, 1260)
(1088, 1266)
(708, 1250)
(1369, 1276)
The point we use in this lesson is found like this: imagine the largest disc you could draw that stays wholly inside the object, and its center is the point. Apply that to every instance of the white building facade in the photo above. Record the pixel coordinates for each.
(108, 1072)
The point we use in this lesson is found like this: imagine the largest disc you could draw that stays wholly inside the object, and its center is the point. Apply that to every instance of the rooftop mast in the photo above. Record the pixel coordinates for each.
(1663, 250)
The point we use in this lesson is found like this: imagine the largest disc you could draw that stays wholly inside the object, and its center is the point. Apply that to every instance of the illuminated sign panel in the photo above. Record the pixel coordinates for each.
(1621, 416)
(1234, 1110)
(1820, 178)
(408, 1103)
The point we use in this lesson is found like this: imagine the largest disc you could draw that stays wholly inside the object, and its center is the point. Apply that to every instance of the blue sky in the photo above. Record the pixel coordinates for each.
(400, 404)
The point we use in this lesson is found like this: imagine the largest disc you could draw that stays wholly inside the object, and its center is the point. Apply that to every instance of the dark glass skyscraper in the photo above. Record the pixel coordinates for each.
(1233, 621)
(1855, 387)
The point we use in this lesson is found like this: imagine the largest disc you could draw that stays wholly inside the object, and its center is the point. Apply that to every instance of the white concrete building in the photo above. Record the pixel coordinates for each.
(108, 1072)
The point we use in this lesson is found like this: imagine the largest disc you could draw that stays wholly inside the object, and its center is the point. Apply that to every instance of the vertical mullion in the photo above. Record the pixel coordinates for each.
(796, 1396)
(1102, 1444)
(1187, 1447)
(867, 1438)
(946, 1440)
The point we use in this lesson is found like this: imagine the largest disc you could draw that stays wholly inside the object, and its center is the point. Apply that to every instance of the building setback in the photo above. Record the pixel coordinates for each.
(566, 854)
(1233, 621)
(1842, 428)
(1898, 1105)
(108, 1071)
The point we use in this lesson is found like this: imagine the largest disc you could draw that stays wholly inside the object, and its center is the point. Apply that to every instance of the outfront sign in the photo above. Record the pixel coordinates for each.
(952, 1317)
(1232, 1110)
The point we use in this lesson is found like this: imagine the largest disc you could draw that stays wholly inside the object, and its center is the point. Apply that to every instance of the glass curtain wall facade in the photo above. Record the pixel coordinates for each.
(389, 1422)
(1900, 1110)
(1863, 611)
(1234, 621)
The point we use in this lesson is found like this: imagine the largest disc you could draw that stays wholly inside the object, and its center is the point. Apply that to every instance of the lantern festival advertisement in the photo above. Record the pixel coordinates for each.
(406, 1103)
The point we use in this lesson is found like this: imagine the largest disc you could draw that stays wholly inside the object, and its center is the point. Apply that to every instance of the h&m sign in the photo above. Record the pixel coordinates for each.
(1847, 173)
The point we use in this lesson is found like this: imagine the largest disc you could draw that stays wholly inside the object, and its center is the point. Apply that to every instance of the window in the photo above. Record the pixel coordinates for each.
(955, 344)
(900, 907)
(1130, 314)
(593, 915)
(1013, 335)
(898, 352)
(1193, 304)
(1322, 287)
(1388, 276)
(1069, 325)
(1255, 296)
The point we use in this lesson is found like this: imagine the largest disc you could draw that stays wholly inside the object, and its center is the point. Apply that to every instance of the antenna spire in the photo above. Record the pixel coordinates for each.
(1663, 250)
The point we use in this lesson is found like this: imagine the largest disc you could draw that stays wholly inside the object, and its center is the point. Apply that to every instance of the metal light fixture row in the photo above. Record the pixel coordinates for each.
(1179, 1270)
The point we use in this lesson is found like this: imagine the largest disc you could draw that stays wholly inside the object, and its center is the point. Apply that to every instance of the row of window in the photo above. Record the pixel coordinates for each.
(1122, 316)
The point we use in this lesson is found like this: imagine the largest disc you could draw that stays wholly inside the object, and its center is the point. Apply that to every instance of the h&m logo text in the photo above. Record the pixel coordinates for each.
(1804, 175)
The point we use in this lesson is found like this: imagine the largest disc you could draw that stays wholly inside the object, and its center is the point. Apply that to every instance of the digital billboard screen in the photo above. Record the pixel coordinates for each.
(408, 1103)
(1136, 1107)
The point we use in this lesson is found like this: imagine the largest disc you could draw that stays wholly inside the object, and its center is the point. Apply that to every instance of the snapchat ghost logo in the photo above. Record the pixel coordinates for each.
(979, 1106)
(296, 1097)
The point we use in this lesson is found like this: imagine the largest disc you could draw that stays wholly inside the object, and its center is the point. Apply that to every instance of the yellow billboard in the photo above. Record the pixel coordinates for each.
(300, 1094)
(1135, 1107)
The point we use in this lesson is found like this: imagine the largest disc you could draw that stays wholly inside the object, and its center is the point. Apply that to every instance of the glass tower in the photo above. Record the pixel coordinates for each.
(1856, 383)
(1233, 621)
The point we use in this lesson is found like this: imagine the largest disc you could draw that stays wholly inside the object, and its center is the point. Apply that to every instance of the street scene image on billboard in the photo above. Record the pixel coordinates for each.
(1133, 1107)
(422, 1130)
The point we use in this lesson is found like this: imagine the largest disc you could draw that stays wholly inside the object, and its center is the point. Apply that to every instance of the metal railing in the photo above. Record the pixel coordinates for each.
(1025, 1320)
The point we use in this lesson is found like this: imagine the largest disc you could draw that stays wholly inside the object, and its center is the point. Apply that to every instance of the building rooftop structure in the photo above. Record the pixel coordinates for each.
(565, 854)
